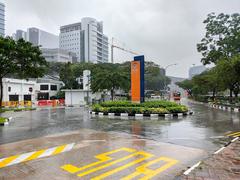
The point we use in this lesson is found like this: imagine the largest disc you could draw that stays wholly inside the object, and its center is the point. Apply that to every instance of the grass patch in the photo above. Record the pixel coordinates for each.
(17, 109)
(149, 107)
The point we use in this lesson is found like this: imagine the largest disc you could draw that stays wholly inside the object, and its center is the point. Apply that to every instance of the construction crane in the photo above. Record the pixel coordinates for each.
(121, 48)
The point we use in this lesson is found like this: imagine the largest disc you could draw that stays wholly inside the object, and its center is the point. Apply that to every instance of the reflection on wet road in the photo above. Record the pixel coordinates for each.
(203, 130)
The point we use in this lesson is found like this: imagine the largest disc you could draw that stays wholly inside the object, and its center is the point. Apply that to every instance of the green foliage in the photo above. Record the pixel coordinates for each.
(110, 78)
(107, 76)
(150, 107)
(17, 109)
(154, 80)
(60, 95)
(20, 58)
(67, 76)
(23, 109)
(222, 37)
(177, 109)
(2, 120)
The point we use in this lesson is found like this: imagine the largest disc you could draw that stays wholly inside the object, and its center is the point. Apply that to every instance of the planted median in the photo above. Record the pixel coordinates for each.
(149, 107)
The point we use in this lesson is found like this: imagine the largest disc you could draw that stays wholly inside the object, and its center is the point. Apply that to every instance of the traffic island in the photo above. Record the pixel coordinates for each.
(146, 109)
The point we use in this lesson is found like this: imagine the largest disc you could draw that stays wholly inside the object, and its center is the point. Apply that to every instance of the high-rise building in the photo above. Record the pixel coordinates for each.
(2, 19)
(196, 70)
(86, 39)
(42, 38)
(58, 55)
(20, 34)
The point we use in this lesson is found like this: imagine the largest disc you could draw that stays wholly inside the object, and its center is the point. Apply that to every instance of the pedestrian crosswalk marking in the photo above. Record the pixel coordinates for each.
(8, 161)
(105, 161)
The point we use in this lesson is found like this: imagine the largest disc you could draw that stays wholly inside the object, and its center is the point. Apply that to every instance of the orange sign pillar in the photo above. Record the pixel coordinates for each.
(135, 81)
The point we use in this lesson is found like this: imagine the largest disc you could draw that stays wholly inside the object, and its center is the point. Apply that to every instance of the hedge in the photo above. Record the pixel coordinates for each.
(149, 107)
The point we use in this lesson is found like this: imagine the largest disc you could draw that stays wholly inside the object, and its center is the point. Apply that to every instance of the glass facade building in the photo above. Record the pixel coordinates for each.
(2, 19)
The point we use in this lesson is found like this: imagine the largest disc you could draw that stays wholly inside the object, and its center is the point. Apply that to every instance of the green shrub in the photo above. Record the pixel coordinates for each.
(156, 111)
(2, 120)
(24, 109)
(149, 104)
(149, 107)
(177, 109)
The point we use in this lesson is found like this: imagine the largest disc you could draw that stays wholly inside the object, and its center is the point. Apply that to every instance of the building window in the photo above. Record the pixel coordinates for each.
(44, 87)
(54, 87)
(9, 89)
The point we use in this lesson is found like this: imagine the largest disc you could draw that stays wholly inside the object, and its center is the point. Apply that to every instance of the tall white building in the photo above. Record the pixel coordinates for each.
(196, 70)
(42, 38)
(58, 55)
(20, 34)
(2, 19)
(86, 39)
(38, 37)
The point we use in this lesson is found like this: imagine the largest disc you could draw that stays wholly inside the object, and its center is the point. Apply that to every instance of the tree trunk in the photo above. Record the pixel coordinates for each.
(231, 95)
(236, 91)
(1, 92)
(112, 94)
(214, 93)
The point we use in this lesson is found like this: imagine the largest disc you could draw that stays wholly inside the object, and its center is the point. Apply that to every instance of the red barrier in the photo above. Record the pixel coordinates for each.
(51, 102)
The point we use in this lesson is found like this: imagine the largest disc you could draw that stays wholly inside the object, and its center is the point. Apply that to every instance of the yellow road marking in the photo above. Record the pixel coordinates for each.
(235, 133)
(34, 155)
(59, 149)
(148, 172)
(114, 162)
(102, 158)
(6, 161)
(146, 156)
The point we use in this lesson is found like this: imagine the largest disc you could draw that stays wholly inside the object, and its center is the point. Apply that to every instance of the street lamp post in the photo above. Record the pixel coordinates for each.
(165, 82)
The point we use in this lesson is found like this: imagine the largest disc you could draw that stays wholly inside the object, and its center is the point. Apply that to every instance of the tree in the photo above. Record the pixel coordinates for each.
(222, 38)
(186, 85)
(20, 58)
(229, 72)
(110, 80)
(154, 80)
(67, 76)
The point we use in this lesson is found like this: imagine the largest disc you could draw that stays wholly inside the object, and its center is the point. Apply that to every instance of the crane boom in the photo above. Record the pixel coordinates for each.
(123, 49)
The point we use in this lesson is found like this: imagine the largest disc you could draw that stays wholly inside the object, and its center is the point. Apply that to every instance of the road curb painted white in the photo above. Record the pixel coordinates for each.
(225, 108)
(141, 115)
(216, 152)
(192, 168)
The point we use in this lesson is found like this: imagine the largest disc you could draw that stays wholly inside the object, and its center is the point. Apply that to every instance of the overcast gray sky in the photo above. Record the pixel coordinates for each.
(165, 31)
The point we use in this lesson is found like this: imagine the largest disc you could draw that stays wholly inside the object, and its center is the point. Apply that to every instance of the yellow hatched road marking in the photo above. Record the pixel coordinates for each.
(151, 173)
(59, 149)
(8, 160)
(34, 155)
(102, 158)
(234, 134)
(146, 156)
(114, 162)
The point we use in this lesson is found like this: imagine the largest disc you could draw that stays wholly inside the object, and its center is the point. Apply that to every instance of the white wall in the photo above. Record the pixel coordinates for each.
(76, 97)
(18, 87)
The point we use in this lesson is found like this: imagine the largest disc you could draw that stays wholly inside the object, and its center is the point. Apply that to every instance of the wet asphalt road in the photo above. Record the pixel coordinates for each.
(203, 130)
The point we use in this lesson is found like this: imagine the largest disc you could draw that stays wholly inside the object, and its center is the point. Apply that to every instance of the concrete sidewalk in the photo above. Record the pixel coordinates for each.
(222, 166)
